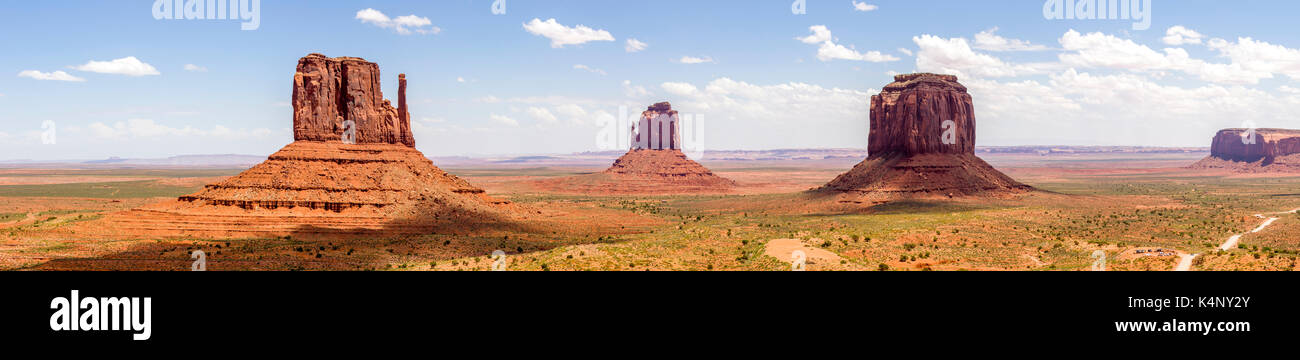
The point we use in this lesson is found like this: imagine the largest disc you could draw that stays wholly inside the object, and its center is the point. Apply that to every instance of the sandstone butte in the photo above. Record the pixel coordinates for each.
(655, 163)
(321, 184)
(921, 143)
(1271, 150)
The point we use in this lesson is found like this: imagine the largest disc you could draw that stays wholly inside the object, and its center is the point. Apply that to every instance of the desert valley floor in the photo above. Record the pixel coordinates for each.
(1144, 211)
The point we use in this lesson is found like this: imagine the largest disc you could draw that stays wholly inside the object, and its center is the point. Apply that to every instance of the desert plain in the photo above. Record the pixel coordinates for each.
(1144, 209)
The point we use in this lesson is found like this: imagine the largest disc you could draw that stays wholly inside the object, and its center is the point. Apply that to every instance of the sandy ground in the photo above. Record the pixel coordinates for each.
(815, 258)
(1186, 263)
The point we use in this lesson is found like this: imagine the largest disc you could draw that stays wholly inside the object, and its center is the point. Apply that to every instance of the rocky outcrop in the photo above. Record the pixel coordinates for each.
(328, 92)
(1270, 150)
(320, 184)
(1236, 144)
(922, 114)
(658, 129)
(922, 142)
(655, 164)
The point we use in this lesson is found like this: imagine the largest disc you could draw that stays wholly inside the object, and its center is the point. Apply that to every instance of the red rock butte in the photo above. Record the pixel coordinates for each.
(1269, 150)
(655, 163)
(353, 168)
(921, 142)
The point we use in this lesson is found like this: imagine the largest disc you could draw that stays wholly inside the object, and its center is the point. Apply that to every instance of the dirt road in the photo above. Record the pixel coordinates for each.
(1186, 263)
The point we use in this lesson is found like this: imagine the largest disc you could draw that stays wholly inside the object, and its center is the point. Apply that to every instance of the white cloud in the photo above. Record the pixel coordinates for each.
(1079, 108)
(695, 60)
(195, 68)
(634, 91)
(402, 25)
(679, 88)
(129, 66)
(955, 56)
(53, 76)
(1179, 35)
(589, 69)
(544, 116)
(149, 129)
(1098, 50)
(504, 120)
(829, 50)
(905, 51)
(634, 45)
(1259, 56)
(988, 40)
(740, 115)
(561, 35)
(819, 35)
(862, 6)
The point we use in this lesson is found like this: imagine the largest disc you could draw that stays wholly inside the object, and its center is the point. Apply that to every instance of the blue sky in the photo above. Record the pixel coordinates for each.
(483, 83)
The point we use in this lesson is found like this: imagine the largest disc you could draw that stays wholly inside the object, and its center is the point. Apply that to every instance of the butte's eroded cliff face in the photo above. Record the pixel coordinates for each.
(918, 113)
(328, 92)
(922, 142)
(1269, 150)
(331, 179)
(655, 164)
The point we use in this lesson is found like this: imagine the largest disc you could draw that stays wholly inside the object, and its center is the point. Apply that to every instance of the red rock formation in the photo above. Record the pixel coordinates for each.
(658, 129)
(320, 185)
(908, 116)
(1271, 150)
(922, 142)
(654, 165)
(329, 91)
(1235, 144)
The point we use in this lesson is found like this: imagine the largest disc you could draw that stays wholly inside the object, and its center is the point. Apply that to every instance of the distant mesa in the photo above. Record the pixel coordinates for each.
(353, 168)
(654, 164)
(1267, 151)
(921, 143)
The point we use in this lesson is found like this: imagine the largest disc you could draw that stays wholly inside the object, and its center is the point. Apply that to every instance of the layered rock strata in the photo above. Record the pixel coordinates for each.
(1260, 150)
(353, 176)
(922, 142)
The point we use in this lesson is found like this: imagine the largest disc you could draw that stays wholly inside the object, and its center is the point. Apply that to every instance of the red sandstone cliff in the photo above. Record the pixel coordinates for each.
(328, 91)
(1229, 144)
(907, 116)
(911, 152)
(1272, 150)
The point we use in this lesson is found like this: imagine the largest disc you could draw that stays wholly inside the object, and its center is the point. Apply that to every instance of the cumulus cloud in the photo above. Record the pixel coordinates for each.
(989, 40)
(741, 115)
(129, 66)
(635, 91)
(1079, 108)
(1098, 50)
(829, 50)
(680, 88)
(955, 56)
(1179, 35)
(402, 25)
(1259, 56)
(589, 69)
(864, 7)
(149, 129)
(819, 35)
(50, 76)
(504, 120)
(695, 60)
(544, 116)
(634, 45)
(561, 35)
